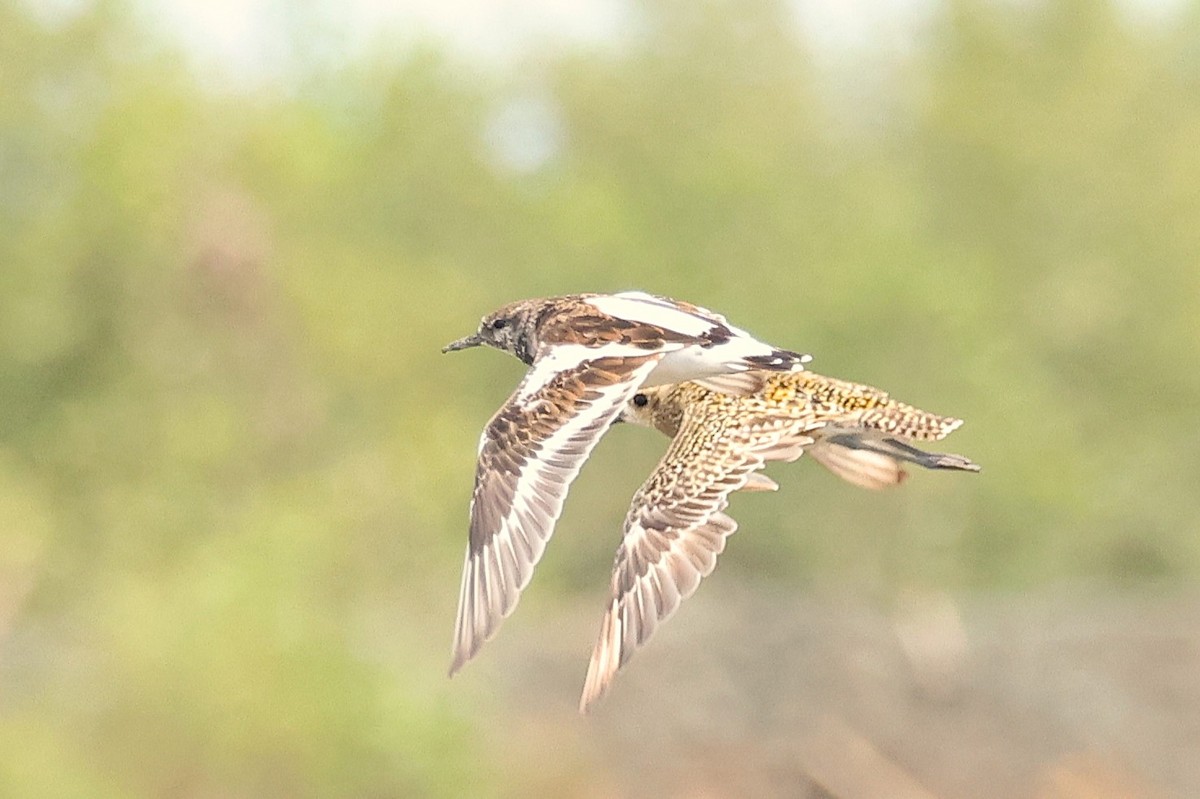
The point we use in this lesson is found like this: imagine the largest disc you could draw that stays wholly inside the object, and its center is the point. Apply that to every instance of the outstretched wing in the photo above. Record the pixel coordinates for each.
(875, 459)
(675, 529)
(529, 453)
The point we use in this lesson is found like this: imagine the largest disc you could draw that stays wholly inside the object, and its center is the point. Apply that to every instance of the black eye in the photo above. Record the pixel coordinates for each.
(640, 400)
(499, 324)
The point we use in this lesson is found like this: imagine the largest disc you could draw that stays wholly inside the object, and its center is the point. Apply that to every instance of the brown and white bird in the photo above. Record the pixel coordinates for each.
(676, 525)
(588, 355)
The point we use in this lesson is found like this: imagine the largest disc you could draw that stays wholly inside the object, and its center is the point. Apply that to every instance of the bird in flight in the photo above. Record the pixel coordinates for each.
(588, 354)
(676, 525)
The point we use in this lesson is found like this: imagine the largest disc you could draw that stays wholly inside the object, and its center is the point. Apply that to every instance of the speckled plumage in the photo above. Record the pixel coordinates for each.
(804, 400)
(633, 322)
(587, 353)
(676, 526)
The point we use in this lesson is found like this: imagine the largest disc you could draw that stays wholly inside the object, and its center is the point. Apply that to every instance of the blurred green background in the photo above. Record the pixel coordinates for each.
(234, 466)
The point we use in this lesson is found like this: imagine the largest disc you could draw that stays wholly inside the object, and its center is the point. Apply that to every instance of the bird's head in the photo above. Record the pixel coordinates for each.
(505, 329)
(644, 407)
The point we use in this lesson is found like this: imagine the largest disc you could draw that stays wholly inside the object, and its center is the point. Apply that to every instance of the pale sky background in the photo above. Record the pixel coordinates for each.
(241, 42)
(237, 45)
(241, 38)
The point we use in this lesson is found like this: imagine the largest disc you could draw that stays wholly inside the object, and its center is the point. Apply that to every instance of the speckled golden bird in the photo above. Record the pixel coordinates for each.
(676, 526)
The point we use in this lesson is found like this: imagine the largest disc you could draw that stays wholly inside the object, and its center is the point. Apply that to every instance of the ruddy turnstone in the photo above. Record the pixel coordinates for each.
(588, 354)
(676, 527)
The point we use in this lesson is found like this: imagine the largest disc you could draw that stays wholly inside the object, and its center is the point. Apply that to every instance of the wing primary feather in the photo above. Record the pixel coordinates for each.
(674, 531)
(530, 452)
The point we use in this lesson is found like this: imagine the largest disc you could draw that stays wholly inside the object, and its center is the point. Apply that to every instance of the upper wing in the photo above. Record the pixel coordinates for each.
(529, 453)
(662, 312)
(675, 529)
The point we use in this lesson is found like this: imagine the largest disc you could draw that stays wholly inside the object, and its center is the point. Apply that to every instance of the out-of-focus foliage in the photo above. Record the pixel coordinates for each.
(234, 466)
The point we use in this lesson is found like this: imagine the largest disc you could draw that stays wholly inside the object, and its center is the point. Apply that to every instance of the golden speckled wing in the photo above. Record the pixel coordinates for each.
(855, 404)
(675, 527)
(529, 454)
(859, 432)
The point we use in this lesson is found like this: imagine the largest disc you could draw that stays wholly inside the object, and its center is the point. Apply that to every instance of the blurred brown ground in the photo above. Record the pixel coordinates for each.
(1066, 695)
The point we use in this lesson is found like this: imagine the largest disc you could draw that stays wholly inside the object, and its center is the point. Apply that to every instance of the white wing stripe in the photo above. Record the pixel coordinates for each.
(653, 312)
(704, 313)
(569, 356)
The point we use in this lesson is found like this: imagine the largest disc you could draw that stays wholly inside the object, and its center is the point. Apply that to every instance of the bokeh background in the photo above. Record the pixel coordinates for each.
(234, 466)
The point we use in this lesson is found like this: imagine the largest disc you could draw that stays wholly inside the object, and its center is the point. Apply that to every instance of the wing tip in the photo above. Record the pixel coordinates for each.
(948, 425)
(465, 648)
(479, 617)
(590, 697)
(466, 644)
(605, 661)
(757, 481)
(957, 463)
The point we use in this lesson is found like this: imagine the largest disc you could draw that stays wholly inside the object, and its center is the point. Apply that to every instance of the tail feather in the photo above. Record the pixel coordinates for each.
(778, 360)
(904, 420)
